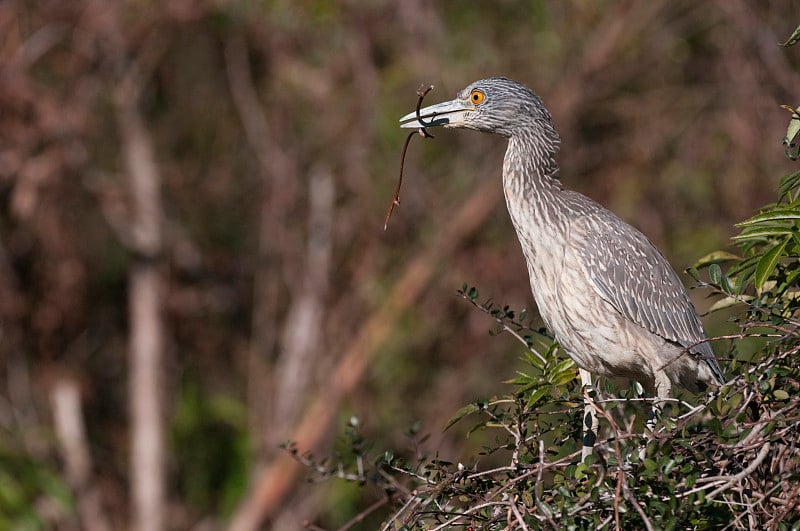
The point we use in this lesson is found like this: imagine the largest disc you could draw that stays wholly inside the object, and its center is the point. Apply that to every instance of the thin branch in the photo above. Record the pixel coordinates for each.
(70, 430)
(744, 473)
(424, 134)
(487, 309)
(357, 519)
(461, 515)
(148, 475)
(521, 521)
(537, 488)
(410, 504)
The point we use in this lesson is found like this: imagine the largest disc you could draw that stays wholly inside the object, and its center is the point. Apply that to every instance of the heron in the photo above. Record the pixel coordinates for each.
(606, 293)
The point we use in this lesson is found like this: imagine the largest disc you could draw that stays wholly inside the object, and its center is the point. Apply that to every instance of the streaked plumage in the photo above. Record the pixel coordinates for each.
(608, 295)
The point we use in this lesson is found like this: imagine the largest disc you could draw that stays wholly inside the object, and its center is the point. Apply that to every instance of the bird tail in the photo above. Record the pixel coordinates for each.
(716, 370)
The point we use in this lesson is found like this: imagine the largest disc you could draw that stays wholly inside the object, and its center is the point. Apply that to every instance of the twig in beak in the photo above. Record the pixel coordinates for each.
(423, 133)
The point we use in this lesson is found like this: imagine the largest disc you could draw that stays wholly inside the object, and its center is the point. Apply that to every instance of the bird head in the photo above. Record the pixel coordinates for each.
(495, 105)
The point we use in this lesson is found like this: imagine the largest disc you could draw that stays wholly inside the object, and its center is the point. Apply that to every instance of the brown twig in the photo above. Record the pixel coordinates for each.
(396, 198)
(743, 474)
(422, 132)
(360, 517)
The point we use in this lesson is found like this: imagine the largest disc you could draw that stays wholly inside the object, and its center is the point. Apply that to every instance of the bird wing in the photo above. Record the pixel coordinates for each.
(627, 271)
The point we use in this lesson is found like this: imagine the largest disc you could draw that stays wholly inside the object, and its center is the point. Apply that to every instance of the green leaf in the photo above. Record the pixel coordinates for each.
(537, 395)
(525, 388)
(795, 37)
(762, 233)
(791, 134)
(771, 215)
(743, 279)
(768, 262)
(726, 284)
(727, 302)
(563, 366)
(461, 413)
(522, 379)
(562, 378)
(534, 361)
(791, 278)
(744, 265)
(563, 373)
(715, 273)
(581, 470)
(780, 394)
(788, 183)
(715, 257)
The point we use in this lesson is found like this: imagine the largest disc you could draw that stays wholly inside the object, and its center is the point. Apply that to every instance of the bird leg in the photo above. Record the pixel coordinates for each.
(652, 417)
(589, 429)
(662, 389)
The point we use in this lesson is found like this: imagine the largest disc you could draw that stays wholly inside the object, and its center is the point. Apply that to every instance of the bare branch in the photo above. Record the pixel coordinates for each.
(302, 332)
(69, 428)
(148, 475)
(744, 473)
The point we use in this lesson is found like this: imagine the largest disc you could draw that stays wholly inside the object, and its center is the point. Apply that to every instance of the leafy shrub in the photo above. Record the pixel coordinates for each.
(731, 460)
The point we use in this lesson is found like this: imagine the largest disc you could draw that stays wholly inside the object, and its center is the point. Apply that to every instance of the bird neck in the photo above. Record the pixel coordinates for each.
(530, 164)
(535, 199)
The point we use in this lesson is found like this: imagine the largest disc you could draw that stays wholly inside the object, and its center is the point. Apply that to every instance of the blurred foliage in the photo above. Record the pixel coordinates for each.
(33, 495)
(205, 428)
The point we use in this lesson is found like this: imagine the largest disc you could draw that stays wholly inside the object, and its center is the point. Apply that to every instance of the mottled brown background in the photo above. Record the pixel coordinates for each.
(211, 177)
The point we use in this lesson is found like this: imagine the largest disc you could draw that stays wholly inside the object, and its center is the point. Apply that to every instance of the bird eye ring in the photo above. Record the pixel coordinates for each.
(477, 97)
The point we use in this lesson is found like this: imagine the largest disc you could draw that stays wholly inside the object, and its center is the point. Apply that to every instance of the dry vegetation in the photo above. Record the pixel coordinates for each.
(192, 263)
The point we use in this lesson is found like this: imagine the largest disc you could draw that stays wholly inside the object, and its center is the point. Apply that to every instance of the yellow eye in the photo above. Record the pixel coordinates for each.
(477, 97)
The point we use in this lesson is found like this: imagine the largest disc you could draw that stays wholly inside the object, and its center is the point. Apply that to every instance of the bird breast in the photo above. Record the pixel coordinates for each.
(586, 326)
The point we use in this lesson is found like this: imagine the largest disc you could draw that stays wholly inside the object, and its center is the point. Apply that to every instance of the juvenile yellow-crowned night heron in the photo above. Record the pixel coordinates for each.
(608, 295)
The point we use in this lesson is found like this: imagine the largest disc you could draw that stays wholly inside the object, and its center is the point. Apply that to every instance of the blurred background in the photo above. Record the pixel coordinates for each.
(193, 267)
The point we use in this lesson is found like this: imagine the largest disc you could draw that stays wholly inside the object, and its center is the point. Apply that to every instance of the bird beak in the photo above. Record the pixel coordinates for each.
(448, 114)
